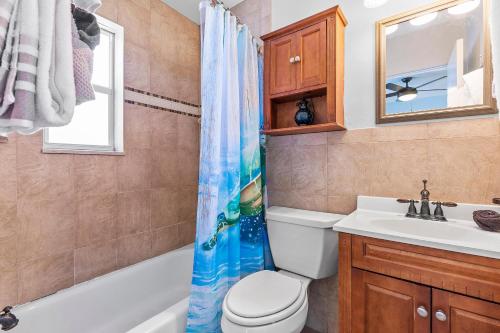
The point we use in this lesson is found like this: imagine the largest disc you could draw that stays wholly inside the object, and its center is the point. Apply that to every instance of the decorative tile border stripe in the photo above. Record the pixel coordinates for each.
(162, 97)
(162, 109)
(148, 100)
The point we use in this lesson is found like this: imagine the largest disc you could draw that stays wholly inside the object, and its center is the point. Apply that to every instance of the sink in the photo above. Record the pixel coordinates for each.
(427, 229)
(384, 218)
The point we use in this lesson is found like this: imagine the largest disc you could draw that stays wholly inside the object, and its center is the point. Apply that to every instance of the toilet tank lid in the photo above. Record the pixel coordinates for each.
(306, 218)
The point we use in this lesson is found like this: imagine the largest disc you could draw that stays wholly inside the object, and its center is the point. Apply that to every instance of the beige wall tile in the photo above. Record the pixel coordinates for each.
(8, 219)
(8, 179)
(134, 212)
(464, 128)
(109, 10)
(165, 173)
(45, 276)
(164, 132)
(136, 22)
(137, 123)
(47, 227)
(401, 132)
(342, 204)
(133, 249)
(351, 168)
(351, 136)
(134, 170)
(165, 239)
(187, 233)
(95, 175)
(97, 218)
(279, 165)
(187, 167)
(309, 169)
(95, 260)
(299, 200)
(136, 62)
(164, 207)
(8, 287)
(188, 203)
(188, 138)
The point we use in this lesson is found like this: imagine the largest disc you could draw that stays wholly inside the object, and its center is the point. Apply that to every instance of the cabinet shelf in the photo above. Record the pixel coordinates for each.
(327, 127)
(305, 60)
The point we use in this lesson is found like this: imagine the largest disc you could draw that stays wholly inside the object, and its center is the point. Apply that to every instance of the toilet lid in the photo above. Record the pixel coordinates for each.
(263, 294)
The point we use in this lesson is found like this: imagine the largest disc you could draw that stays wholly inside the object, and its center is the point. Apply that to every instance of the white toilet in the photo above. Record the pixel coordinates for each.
(304, 247)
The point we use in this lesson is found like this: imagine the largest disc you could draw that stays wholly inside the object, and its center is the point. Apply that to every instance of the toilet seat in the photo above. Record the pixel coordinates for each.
(264, 298)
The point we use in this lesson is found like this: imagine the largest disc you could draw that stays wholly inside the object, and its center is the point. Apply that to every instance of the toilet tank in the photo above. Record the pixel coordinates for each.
(303, 242)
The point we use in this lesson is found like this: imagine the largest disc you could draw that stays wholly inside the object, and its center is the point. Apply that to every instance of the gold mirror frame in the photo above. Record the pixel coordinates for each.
(489, 106)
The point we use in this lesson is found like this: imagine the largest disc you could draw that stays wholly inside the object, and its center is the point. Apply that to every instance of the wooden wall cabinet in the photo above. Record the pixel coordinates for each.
(305, 60)
(390, 287)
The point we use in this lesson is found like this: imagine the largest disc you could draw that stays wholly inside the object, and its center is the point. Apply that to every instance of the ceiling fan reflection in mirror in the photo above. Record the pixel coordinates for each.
(407, 93)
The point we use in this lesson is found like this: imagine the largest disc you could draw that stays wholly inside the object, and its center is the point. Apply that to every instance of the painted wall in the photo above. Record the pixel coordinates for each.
(256, 14)
(360, 47)
(65, 219)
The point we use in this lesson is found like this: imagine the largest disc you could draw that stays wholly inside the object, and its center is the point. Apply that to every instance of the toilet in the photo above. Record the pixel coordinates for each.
(304, 248)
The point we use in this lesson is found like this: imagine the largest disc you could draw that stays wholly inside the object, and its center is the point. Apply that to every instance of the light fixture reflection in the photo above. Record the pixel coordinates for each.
(391, 29)
(424, 19)
(374, 3)
(464, 7)
(407, 95)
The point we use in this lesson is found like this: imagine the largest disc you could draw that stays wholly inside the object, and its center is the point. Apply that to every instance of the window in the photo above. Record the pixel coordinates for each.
(97, 126)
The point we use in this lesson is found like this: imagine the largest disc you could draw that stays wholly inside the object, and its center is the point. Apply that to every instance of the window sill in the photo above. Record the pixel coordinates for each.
(82, 152)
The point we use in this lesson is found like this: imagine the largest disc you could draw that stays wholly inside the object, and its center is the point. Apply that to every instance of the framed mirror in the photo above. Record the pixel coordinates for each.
(435, 62)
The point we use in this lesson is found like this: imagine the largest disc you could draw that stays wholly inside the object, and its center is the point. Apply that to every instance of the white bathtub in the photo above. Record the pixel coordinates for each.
(149, 297)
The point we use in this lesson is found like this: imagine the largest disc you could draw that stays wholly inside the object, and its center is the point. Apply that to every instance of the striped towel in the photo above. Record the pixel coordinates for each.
(19, 81)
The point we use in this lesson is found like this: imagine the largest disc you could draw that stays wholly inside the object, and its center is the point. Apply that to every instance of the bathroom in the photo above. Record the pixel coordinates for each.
(103, 221)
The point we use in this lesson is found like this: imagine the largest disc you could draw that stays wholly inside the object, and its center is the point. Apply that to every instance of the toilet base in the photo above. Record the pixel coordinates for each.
(293, 324)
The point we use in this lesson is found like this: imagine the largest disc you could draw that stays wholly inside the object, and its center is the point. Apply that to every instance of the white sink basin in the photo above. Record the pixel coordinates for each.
(384, 218)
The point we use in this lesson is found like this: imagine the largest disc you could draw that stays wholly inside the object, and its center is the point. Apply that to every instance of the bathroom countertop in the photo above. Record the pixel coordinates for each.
(384, 218)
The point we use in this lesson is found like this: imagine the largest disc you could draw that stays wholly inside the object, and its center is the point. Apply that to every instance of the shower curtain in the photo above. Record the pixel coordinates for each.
(231, 236)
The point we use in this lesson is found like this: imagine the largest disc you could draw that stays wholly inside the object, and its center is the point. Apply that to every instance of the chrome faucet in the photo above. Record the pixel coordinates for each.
(425, 210)
(7, 319)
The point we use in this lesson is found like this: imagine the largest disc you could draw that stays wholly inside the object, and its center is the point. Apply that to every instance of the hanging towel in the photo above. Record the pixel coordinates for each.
(6, 10)
(88, 28)
(20, 83)
(83, 58)
(55, 98)
(89, 5)
(6, 60)
(495, 43)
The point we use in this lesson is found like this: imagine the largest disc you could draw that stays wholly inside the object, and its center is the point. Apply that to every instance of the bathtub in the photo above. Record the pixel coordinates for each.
(149, 297)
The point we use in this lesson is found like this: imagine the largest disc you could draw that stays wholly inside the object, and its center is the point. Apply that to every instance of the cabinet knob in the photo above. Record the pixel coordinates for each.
(297, 59)
(422, 312)
(440, 315)
(292, 60)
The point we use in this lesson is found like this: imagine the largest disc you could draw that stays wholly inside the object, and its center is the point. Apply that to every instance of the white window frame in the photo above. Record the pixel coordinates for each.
(116, 130)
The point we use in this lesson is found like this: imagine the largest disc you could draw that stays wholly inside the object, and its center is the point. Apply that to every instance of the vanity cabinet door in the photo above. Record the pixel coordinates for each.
(381, 304)
(312, 44)
(453, 313)
(282, 64)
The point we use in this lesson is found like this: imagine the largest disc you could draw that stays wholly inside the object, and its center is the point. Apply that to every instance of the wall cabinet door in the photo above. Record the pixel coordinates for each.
(454, 313)
(312, 45)
(282, 68)
(382, 304)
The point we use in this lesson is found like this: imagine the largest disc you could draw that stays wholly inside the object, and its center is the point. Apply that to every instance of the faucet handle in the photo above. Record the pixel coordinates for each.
(407, 201)
(446, 204)
(496, 201)
(6, 310)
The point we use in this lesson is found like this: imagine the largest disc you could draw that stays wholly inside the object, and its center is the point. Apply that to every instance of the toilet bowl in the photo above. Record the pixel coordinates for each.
(304, 245)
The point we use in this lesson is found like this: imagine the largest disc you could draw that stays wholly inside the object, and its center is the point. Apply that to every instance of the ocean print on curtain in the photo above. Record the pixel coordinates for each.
(231, 237)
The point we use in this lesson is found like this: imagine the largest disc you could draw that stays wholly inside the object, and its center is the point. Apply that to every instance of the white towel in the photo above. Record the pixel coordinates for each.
(495, 42)
(89, 5)
(55, 98)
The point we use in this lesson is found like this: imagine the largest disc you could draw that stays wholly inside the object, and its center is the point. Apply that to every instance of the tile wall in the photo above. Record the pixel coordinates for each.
(65, 219)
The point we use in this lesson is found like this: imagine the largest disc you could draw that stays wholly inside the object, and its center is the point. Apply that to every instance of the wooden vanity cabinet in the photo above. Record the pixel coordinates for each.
(390, 287)
(305, 60)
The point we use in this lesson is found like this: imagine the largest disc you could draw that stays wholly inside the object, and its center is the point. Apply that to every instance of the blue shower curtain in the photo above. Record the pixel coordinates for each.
(231, 236)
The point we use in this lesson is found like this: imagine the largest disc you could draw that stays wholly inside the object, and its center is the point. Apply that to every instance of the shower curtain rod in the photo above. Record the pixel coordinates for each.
(214, 3)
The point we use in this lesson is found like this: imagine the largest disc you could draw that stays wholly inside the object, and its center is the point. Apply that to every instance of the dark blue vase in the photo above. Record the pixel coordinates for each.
(304, 116)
